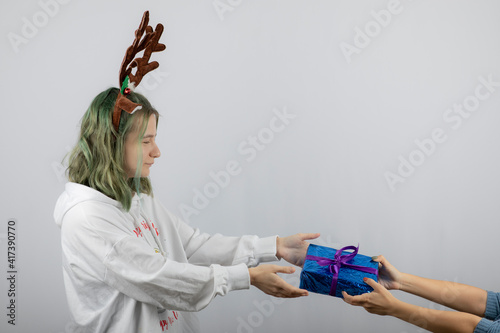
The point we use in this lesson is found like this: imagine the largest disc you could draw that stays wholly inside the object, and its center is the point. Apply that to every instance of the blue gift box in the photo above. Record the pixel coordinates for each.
(330, 271)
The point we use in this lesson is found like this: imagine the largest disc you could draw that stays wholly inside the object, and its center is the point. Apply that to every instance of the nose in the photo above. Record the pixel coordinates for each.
(156, 151)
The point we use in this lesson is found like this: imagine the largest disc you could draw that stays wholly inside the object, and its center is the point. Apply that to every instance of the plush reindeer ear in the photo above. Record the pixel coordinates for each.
(146, 39)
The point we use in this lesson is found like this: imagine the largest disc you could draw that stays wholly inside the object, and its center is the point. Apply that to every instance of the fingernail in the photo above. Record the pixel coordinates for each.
(374, 257)
(365, 279)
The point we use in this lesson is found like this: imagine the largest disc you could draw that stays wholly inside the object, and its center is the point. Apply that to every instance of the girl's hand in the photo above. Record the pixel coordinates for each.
(294, 248)
(265, 278)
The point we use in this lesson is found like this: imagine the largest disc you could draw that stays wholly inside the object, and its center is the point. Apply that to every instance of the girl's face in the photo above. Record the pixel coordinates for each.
(150, 150)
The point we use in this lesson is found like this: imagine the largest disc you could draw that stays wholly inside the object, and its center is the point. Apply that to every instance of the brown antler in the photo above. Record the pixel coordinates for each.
(148, 43)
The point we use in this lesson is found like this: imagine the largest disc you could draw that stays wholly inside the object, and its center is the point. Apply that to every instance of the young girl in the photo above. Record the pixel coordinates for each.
(128, 264)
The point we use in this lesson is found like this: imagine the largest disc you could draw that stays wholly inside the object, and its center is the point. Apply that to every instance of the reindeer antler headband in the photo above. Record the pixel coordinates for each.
(128, 81)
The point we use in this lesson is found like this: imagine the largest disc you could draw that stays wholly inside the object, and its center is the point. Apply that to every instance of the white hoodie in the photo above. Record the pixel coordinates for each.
(145, 270)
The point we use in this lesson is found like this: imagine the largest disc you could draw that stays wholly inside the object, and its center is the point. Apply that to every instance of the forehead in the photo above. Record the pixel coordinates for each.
(138, 126)
(151, 123)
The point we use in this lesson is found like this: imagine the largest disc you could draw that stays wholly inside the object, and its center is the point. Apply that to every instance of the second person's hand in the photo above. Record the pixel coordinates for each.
(388, 275)
(380, 301)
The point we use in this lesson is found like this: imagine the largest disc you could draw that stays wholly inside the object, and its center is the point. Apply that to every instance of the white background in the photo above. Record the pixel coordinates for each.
(220, 78)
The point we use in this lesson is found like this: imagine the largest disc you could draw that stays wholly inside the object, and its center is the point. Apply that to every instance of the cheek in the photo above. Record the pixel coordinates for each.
(131, 156)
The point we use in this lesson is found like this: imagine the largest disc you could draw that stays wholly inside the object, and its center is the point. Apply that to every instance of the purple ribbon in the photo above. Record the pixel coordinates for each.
(338, 261)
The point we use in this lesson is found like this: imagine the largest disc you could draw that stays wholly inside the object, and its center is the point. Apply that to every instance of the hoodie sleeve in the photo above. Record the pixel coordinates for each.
(205, 249)
(96, 247)
(133, 269)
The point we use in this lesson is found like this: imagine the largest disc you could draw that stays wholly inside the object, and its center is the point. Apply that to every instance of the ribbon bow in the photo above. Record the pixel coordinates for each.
(338, 261)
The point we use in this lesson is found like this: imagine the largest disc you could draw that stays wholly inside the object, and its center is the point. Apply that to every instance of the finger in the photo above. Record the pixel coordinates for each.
(284, 269)
(358, 300)
(296, 292)
(290, 291)
(372, 283)
(378, 258)
(347, 297)
(310, 236)
(381, 259)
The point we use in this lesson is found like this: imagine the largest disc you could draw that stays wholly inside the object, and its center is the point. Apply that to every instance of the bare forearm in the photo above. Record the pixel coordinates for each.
(435, 320)
(454, 295)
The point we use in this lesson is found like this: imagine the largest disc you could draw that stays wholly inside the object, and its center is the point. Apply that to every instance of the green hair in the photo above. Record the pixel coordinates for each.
(97, 160)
